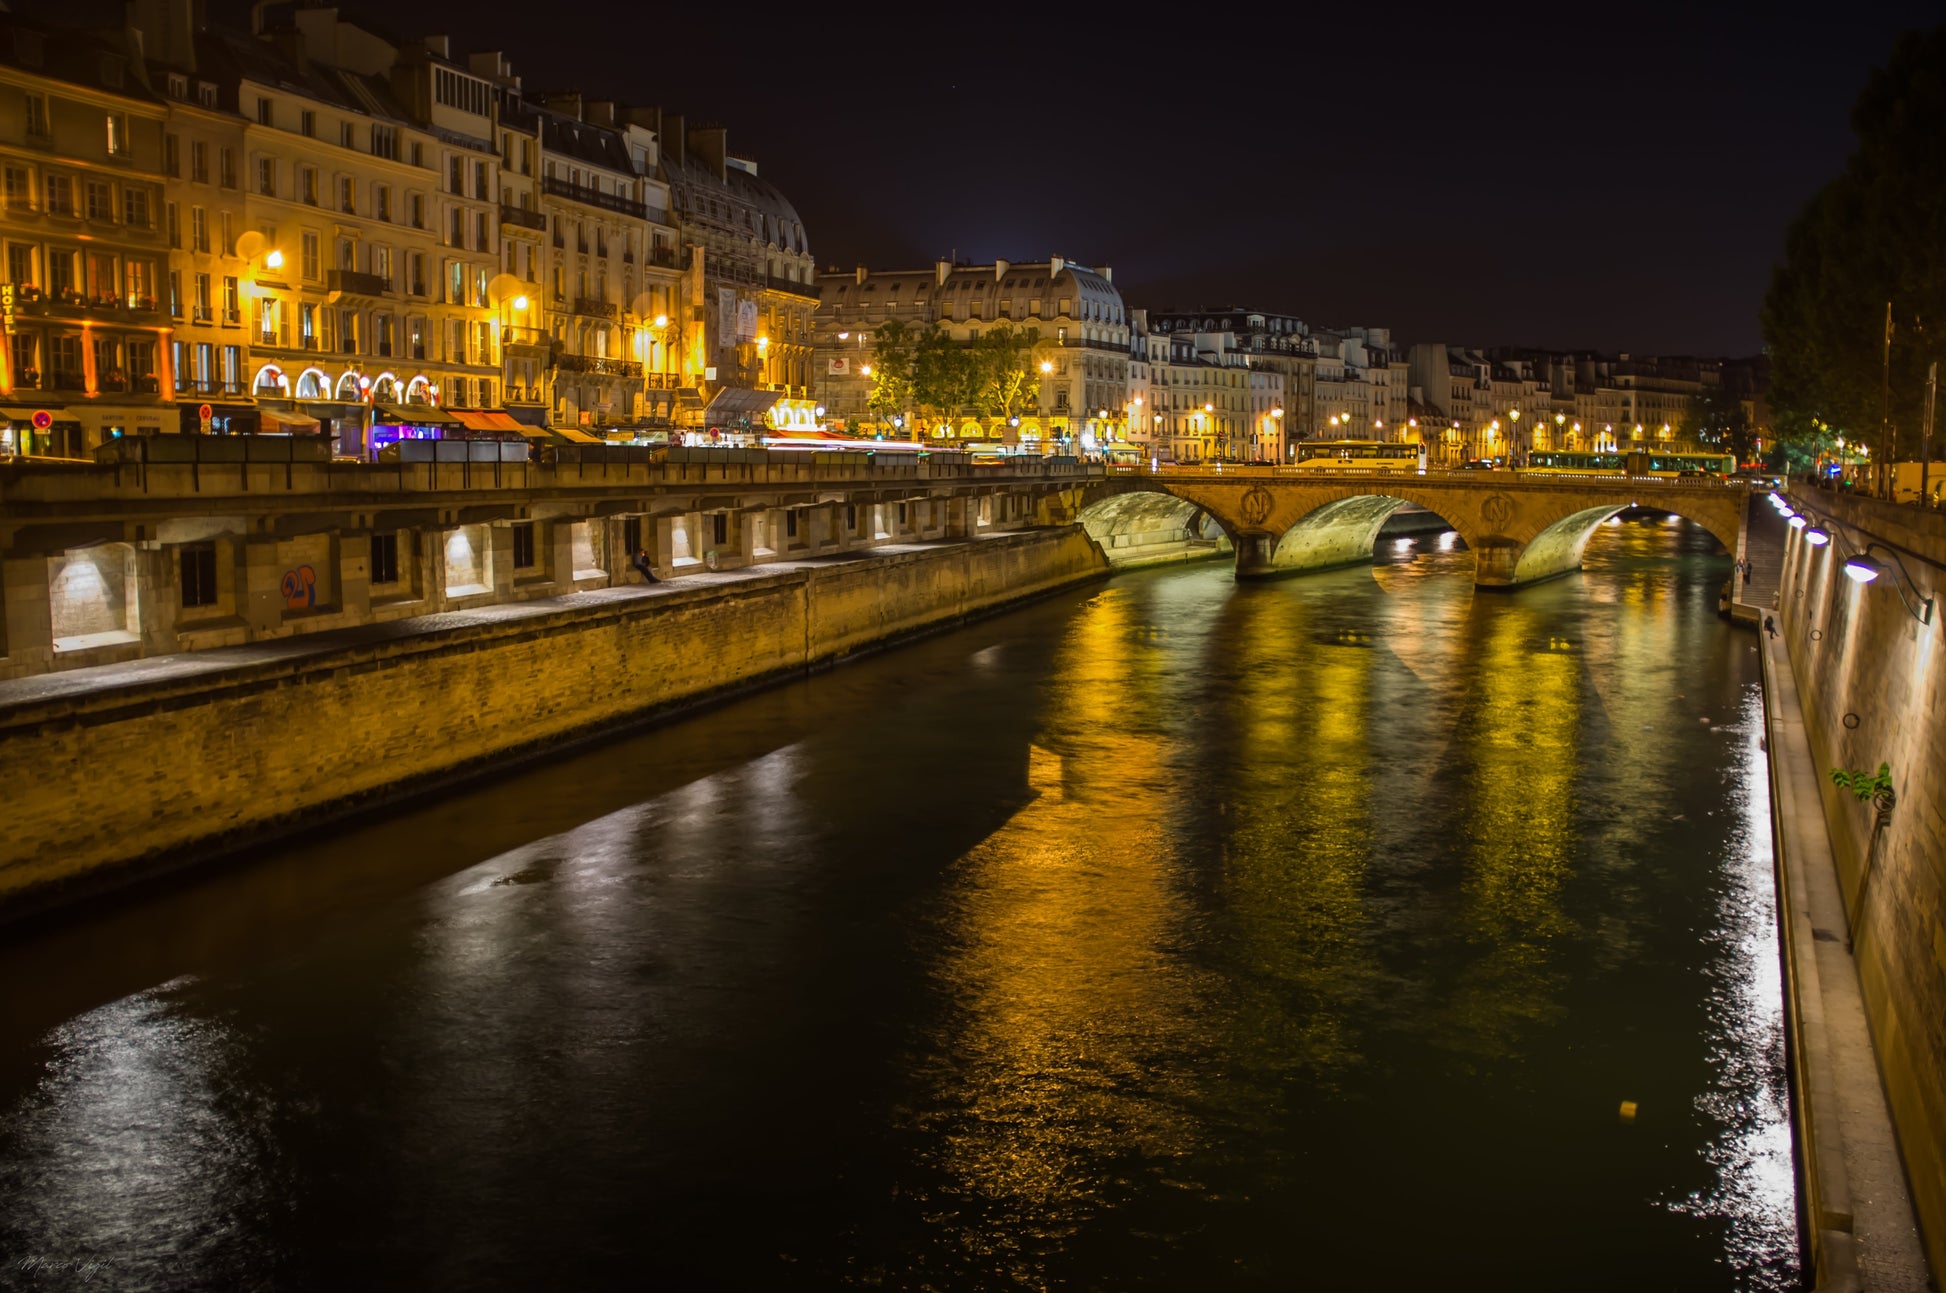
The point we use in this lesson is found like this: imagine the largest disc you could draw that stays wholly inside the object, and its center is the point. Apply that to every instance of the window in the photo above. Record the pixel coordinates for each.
(308, 257)
(479, 231)
(416, 210)
(232, 301)
(719, 527)
(199, 574)
(307, 325)
(202, 298)
(135, 208)
(175, 302)
(480, 181)
(524, 545)
(385, 558)
(385, 141)
(416, 275)
(233, 370)
(456, 175)
(263, 112)
(206, 94)
(455, 283)
(382, 201)
(198, 229)
(347, 192)
(631, 535)
(307, 185)
(199, 161)
(267, 176)
(60, 195)
(20, 265)
(456, 228)
(307, 124)
(37, 116)
(228, 245)
(100, 200)
(344, 134)
(19, 188)
(139, 278)
(790, 524)
(226, 168)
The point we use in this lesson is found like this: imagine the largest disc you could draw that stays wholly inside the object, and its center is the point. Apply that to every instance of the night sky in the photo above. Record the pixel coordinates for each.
(1615, 176)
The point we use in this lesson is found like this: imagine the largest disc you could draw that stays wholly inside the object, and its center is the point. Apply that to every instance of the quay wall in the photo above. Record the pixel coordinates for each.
(132, 779)
(1872, 682)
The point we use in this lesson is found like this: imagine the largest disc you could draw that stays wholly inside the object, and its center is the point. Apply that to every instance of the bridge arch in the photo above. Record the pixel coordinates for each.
(1141, 527)
(1341, 532)
(1557, 546)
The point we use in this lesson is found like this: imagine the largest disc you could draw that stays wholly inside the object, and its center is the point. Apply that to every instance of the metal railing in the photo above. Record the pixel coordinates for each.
(593, 197)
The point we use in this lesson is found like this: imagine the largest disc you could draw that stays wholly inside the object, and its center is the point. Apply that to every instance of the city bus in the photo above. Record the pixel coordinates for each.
(1635, 462)
(1360, 455)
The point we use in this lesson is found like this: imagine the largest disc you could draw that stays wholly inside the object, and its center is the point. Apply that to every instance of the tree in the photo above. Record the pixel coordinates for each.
(1007, 376)
(893, 347)
(942, 374)
(1717, 418)
(1875, 236)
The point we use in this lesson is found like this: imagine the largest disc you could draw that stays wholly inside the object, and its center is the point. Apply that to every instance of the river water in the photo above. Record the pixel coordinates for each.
(1166, 934)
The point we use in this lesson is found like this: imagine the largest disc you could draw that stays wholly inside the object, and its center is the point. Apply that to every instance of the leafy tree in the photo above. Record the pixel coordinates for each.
(1007, 376)
(1874, 236)
(943, 378)
(1719, 419)
(893, 351)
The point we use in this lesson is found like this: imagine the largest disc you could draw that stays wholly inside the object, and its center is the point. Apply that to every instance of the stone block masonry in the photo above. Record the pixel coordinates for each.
(157, 763)
(1871, 678)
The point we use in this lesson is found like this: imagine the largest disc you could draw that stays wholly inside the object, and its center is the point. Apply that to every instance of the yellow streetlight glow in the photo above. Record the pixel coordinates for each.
(1047, 365)
(865, 370)
(275, 260)
(1209, 408)
(661, 320)
(520, 303)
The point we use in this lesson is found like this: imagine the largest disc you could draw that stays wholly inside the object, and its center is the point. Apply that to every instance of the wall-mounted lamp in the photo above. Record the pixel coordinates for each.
(1798, 522)
(1864, 568)
(1817, 536)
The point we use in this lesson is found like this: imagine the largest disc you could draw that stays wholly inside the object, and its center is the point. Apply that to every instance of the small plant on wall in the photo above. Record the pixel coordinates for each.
(1873, 786)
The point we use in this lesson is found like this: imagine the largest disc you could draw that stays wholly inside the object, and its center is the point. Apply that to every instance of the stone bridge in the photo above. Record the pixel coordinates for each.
(1522, 527)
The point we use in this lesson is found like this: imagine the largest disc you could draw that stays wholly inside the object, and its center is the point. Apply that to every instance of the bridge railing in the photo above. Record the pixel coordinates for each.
(1497, 478)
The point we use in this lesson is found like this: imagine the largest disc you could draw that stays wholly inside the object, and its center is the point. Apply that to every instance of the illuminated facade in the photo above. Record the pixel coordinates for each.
(86, 327)
(1083, 356)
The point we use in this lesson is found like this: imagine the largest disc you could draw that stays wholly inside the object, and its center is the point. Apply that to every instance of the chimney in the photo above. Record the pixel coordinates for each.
(169, 29)
(568, 105)
(861, 273)
(600, 112)
(1000, 267)
(711, 145)
(675, 139)
(440, 45)
(941, 269)
(1107, 272)
(1055, 265)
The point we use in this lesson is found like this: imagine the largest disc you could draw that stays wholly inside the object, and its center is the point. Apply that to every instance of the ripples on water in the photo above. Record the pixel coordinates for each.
(1170, 934)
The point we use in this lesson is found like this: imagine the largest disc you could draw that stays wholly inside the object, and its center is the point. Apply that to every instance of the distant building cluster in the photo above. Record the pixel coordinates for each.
(1244, 385)
(309, 226)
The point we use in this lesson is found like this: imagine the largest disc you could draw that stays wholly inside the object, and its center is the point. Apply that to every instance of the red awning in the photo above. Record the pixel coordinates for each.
(486, 420)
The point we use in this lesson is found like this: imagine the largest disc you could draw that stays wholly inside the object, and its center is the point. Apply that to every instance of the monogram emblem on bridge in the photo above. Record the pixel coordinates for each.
(1496, 510)
(1256, 505)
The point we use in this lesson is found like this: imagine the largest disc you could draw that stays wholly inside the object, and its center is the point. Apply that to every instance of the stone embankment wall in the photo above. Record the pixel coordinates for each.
(1872, 682)
(126, 779)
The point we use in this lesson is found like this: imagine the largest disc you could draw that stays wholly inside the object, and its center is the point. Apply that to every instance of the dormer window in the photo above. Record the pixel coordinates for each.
(178, 86)
(206, 94)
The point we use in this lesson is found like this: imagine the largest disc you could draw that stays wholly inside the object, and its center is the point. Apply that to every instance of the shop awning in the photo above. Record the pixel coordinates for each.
(275, 422)
(571, 433)
(25, 417)
(412, 415)
(734, 402)
(487, 420)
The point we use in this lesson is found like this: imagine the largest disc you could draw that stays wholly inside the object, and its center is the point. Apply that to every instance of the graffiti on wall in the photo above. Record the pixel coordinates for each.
(300, 588)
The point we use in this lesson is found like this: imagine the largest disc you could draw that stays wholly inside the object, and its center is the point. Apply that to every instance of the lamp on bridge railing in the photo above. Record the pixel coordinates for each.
(1798, 522)
(1817, 536)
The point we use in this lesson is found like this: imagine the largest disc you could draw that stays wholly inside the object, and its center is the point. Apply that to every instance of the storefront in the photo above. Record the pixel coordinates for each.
(45, 431)
(392, 423)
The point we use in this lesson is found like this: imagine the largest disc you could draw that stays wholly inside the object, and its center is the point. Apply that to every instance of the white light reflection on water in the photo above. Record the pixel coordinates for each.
(1755, 1191)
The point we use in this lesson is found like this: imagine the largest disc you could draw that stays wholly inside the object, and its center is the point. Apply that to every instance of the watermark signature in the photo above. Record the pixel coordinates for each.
(67, 1268)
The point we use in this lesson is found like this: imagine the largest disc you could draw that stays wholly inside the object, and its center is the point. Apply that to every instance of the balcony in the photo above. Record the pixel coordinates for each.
(357, 284)
(525, 219)
(599, 367)
(597, 309)
(777, 284)
(588, 196)
(663, 256)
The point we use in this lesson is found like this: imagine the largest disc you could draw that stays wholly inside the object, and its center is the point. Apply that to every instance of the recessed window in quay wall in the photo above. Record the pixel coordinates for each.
(468, 561)
(92, 597)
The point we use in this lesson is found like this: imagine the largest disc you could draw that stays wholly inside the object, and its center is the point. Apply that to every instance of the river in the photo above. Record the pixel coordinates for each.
(1167, 934)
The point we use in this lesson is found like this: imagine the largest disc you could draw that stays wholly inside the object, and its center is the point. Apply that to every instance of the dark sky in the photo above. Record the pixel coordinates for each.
(1616, 176)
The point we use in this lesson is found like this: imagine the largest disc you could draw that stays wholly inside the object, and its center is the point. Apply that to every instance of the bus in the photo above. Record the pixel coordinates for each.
(1360, 455)
(1635, 462)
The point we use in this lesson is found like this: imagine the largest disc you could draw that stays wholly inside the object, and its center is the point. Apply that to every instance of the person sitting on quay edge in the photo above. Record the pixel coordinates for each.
(642, 565)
